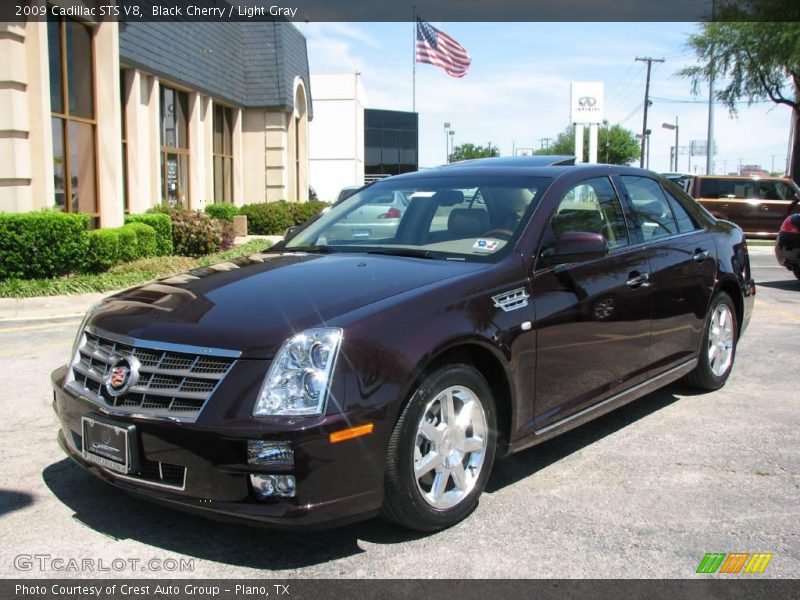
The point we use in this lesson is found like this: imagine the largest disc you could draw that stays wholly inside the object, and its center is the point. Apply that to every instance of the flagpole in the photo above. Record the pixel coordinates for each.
(414, 64)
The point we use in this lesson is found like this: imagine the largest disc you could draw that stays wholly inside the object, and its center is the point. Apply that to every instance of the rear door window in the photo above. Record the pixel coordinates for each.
(650, 207)
(682, 217)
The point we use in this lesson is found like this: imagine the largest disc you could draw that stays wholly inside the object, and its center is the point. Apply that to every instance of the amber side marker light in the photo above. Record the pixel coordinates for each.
(350, 433)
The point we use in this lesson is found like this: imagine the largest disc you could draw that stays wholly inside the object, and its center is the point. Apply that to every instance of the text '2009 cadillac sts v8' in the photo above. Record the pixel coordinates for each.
(349, 372)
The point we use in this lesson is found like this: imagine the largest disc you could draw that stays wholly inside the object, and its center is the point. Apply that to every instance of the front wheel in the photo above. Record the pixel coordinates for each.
(441, 450)
(720, 335)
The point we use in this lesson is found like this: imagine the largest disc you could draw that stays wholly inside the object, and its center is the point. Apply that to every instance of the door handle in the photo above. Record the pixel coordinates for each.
(700, 255)
(640, 280)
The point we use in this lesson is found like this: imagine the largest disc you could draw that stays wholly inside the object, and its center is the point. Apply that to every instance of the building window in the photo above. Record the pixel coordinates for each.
(71, 64)
(174, 147)
(223, 154)
(390, 143)
(123, 104)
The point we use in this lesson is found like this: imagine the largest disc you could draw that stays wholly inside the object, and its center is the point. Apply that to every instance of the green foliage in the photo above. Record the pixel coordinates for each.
(41, 244)
(121, 276)
(128, 244)
(615, 145)
(225, 212)
(752, 53)
(468, 151)
(146, 239)
(274, 218)
(102, 250)
(268, 218)
(163, 228)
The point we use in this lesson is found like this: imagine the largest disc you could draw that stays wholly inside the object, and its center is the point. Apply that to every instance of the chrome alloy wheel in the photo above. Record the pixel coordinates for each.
(450, 447)
(720, 340)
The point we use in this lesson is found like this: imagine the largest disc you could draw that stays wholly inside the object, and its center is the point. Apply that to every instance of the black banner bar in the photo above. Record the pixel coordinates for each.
(739, 587)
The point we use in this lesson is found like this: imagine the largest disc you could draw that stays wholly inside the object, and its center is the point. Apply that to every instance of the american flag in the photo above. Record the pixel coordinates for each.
(437, 48)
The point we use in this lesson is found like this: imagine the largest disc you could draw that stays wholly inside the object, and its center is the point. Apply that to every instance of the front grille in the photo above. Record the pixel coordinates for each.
(174, 381)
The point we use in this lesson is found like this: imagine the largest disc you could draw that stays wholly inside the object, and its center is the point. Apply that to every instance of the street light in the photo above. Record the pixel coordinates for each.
(452, 142)
(447, 142)
(670, 126)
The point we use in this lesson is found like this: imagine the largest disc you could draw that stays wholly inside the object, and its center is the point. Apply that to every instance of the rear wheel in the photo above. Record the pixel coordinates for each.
(441, 450)
(718, 351)
(796, 271)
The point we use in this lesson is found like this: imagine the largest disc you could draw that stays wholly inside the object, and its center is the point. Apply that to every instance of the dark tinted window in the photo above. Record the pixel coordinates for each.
(651, 209)
(685, 222)
(590, 206)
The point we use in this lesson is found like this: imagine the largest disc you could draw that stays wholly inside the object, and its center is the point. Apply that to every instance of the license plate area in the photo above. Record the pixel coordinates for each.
(110, 445)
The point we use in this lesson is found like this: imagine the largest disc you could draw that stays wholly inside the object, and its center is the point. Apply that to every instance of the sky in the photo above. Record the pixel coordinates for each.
(518, 88)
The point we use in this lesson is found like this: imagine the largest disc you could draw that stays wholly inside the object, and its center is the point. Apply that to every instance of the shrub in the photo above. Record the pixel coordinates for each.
(162, 224)
(195, 234)
(146, 239)
(226, 212)
(102, 250)
(228, 234)
(303, 211)
(41, 244)
(128, 244)
(268, 218)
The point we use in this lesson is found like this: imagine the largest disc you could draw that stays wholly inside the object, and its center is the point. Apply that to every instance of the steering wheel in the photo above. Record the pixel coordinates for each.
(506, 233)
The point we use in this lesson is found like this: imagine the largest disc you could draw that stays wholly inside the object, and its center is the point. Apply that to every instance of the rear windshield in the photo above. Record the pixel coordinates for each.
(744, 189)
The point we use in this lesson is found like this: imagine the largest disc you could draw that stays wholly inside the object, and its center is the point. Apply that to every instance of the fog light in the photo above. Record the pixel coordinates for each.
(273, 486)
(270, 454)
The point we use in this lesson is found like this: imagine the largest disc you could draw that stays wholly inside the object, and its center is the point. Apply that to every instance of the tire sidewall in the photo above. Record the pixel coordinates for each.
(454, 375)
(705, 365)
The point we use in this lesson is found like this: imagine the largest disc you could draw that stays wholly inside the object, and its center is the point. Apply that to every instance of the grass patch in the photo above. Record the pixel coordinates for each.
(122, 276)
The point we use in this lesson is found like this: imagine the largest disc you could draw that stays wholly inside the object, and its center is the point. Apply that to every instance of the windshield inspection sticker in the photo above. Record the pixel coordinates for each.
(486, 245)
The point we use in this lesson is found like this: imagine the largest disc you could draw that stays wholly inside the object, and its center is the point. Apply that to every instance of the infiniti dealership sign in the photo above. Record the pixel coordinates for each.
(586, 102)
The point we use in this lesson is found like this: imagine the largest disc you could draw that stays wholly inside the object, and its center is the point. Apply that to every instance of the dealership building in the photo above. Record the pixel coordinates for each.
(107, 118)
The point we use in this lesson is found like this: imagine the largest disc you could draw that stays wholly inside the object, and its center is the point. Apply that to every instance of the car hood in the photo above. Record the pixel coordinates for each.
(252, 304)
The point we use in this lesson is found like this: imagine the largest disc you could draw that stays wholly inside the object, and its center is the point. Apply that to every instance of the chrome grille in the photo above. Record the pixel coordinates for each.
(174, 381)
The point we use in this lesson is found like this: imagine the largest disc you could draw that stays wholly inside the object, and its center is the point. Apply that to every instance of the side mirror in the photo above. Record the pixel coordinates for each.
(576, 246)
(290, 231)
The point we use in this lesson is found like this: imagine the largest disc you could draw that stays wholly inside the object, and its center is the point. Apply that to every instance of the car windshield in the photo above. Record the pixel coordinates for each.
(448, 218)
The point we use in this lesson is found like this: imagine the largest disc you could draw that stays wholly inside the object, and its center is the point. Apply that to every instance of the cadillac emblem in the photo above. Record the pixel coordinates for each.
(122, 375)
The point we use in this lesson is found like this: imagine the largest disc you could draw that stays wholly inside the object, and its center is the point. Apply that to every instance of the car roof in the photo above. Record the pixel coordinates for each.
(509, 166)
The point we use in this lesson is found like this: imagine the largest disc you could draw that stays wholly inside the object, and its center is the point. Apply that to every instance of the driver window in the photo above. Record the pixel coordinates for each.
(591, 206)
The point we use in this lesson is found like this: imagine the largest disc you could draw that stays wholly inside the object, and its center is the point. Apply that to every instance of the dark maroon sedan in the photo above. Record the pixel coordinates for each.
(352, 371)
(787, 246)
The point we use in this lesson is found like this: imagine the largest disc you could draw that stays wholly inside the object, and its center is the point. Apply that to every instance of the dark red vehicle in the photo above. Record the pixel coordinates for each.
(341, 375)
(787, 245)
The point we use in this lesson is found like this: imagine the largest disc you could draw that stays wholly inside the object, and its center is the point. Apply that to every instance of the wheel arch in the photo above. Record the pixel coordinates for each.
(731, 287)
(490, 363)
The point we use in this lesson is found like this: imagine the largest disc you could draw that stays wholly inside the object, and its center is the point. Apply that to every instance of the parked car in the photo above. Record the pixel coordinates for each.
(346, 192)
(337, 376)
(376, 217)
(787, 245)
(756, 204)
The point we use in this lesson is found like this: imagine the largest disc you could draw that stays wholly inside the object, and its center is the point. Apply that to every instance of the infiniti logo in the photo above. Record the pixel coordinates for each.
(587, 101)
(122, 375)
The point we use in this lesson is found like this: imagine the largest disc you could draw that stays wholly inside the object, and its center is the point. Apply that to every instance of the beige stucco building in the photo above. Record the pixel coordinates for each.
(107, 118)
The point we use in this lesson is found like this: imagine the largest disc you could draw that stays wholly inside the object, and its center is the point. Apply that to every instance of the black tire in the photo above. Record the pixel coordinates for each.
(796, 271)
(703, 377)
(404, 503)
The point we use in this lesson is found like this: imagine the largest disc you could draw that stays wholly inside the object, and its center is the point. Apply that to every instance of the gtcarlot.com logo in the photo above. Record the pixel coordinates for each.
(48, 562)
(734, 562)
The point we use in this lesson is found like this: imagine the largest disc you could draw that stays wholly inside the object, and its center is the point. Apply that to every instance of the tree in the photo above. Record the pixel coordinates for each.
(752, 59)
(615, 145)
(467, 151)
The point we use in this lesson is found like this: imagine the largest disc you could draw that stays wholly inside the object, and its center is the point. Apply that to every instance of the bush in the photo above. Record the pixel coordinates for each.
(162, 224)
(195, 234)
(303, 211)
(128, 244)
(41, 244)
(146, 239)
(102, 250)
(226, 212)
(268, 218)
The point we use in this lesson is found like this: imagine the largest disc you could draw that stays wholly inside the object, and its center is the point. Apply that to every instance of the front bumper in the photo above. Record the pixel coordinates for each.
(203, 468)
(787, 250)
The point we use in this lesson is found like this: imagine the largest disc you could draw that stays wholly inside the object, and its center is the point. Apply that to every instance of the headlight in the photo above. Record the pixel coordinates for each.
(299, 379)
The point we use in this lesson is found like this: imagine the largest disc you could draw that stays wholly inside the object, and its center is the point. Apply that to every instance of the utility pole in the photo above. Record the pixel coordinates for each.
(710, 133)
(545, 142)
(649, 62)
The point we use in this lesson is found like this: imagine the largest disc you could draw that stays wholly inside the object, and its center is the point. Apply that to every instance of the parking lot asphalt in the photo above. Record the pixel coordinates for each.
(645, 491)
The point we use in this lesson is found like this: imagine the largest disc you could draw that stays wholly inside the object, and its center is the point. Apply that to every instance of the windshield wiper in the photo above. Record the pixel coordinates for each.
(412, 252)
(310, 249)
